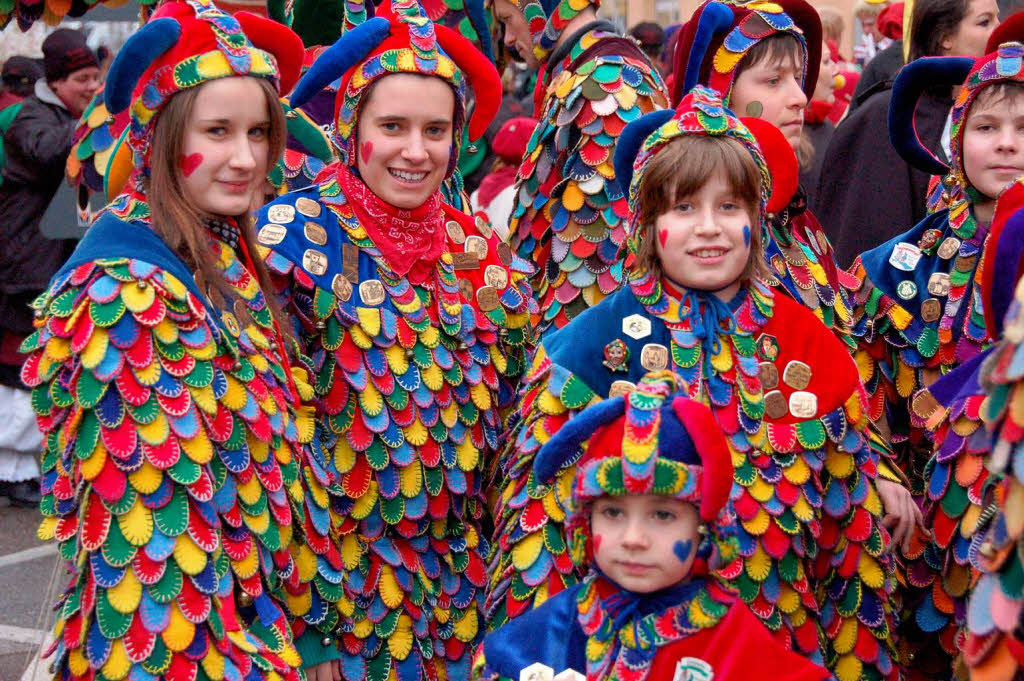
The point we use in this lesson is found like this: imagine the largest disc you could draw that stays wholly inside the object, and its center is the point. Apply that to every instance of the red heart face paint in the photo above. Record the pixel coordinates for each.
(366, 151)
(190, 163)
(597, 542)
(662, 237)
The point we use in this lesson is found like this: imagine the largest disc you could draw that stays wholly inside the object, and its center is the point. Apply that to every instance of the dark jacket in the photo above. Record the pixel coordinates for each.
(818, 134)
(878, 74)
(867, 193)
(36, 146)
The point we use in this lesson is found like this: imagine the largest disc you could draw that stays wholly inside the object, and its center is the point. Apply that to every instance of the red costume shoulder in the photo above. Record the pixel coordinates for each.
(808, 358)
(732, 650)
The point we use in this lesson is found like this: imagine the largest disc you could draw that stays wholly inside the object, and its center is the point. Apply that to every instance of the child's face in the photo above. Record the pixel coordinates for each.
(771, 90)
(993, 145)
(646, 542)
(704, 242)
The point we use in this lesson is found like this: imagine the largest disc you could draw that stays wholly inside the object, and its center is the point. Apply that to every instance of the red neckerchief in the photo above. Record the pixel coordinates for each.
(407, 239)
(817, 111)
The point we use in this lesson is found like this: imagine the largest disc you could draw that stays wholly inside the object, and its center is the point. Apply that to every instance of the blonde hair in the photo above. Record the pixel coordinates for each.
(832, 23)
(680, 169)
(177, 218)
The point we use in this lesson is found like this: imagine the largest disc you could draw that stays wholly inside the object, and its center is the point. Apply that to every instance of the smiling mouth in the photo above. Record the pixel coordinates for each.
(238, 185)
(709, 252)
(407, 175)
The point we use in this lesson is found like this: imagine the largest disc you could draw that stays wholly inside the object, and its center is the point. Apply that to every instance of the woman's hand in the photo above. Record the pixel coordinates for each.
(325, 671)
(901, 513)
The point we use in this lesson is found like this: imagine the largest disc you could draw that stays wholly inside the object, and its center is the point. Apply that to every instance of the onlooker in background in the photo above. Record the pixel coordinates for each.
(862, 171)
(872, 41)
(818, 128)
(36, 148)
(651, 37)
(832, 25)
(879, 72)
(496, 194)
(19, 76)
(664, 64)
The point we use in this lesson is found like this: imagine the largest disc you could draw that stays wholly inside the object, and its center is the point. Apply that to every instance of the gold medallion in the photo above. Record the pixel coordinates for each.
(496, 276)
(281, 214)
(308, 207)
(797, 375)
(372, 292)
(314, 262)
(487, 298)
(654, 357)
(342, 288)
(476, 244)
(455, 232)
(271, 234)
(316, 233)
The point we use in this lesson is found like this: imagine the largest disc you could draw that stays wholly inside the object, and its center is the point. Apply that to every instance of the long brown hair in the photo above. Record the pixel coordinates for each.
(679, 170)
(177, 218)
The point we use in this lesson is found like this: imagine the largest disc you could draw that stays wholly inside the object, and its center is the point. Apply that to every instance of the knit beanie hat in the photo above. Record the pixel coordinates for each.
(64, 52)
(20, 71)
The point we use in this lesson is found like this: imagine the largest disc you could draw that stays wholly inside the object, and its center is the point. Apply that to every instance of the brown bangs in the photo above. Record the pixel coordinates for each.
(680, 169)
(777, 49)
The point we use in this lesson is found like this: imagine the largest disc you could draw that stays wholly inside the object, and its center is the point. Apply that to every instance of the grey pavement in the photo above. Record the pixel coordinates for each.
(26, 566)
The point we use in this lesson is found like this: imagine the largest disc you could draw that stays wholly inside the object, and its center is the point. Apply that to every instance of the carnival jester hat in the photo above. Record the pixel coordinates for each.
(719, 34)
(186, 44)
(1003, 63)
(654, 440)
(401, 39)
(702, 113)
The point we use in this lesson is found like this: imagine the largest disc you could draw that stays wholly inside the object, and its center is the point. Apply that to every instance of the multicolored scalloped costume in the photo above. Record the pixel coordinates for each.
(992, 649)
(416, 324)
(812, 564)
(919, 314)
(711, 46)
(570, 211)
(173, 471)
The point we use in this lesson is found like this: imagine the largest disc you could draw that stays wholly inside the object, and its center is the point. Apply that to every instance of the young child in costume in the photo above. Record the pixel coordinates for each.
(780, 385)
(763, 59)
(919, 314)
(173, 471)
(649, 511)
(415, 318)
(569, 218)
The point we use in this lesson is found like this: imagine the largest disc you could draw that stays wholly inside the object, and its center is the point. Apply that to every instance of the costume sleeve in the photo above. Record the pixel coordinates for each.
(169, 479)
(956, 480)
(891, 354)
(530, 559)
(570, 215)
(853, 570)
(994, 636)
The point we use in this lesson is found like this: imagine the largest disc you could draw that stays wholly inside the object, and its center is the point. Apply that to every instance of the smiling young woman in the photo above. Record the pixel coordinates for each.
(177, 444)
(416, 318)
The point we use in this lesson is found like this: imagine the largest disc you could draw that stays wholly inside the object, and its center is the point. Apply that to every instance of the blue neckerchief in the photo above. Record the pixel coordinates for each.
(709, 316)
(628, 608)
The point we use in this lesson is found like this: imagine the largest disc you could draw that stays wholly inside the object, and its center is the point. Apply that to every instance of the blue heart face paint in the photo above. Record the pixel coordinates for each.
(682, 550)
(746, 235)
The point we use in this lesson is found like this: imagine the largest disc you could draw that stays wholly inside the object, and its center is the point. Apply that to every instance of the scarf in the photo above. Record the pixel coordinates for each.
(625, 629)
(410, 241)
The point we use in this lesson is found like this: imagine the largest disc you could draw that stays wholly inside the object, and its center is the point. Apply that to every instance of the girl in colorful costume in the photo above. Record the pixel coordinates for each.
(649, 512)
(919, 314)
(172, 475)
(780, 385)
(415, 319)
(737, 49)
